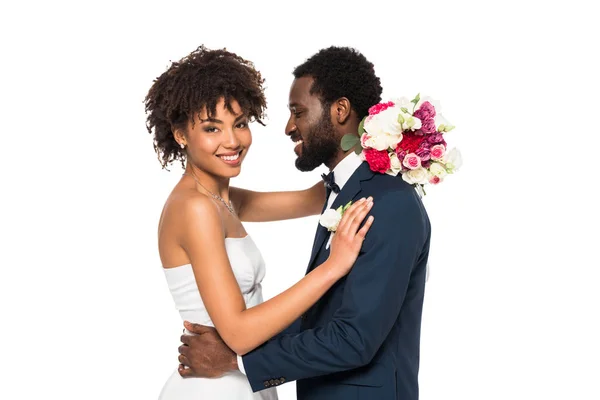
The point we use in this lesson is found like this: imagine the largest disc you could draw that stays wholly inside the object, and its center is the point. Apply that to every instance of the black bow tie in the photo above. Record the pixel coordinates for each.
(330, 183)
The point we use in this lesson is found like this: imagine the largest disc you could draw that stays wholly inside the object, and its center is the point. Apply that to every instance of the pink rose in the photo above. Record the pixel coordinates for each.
(412, 161)
(428, 126)
(425, 112)
(377, 108)
(379, 161)
(437, 151)
(435, 180)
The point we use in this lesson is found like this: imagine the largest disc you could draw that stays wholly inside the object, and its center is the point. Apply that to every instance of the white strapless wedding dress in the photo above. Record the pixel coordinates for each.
(249, 270)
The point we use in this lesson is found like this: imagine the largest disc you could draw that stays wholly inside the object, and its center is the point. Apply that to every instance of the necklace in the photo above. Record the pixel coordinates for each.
(214, 196)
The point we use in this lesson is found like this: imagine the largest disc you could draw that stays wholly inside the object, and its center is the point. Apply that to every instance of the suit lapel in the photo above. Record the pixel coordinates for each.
(348, 192)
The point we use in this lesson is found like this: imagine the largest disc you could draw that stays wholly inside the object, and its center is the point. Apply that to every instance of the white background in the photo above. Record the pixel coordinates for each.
(511, 307)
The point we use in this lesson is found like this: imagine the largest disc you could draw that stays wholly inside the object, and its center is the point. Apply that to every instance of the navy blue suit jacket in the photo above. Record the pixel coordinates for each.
(361, 339)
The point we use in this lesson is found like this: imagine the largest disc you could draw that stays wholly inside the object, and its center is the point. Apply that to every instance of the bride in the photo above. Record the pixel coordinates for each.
(198, 112)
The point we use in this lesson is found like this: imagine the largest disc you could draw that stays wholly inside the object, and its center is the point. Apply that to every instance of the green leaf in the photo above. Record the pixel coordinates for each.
(404, 110)
(349, 141)
(358, 149)
(361, 127)
(400, 119)
(347, 206)
(340, 209)
(416, 99)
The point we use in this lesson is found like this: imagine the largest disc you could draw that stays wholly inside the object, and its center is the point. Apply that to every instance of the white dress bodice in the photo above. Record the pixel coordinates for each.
(249, 269)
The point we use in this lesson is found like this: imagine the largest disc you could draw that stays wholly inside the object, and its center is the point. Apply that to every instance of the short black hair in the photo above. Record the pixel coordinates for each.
(343, 72)
(196, 81)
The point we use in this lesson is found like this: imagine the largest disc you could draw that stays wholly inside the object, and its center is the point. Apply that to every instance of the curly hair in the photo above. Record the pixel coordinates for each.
(193, 83)
(343, 72)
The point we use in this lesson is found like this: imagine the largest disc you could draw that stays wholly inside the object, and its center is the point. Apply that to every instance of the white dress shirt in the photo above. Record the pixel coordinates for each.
(341, 174)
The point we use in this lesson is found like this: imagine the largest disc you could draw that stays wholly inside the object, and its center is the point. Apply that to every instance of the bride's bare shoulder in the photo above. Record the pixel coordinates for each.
(187, 205)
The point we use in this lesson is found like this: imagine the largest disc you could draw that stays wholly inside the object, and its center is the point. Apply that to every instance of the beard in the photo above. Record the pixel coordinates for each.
(320, 145)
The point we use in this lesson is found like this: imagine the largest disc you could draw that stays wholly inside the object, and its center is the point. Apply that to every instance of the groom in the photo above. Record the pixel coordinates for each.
(361, 340)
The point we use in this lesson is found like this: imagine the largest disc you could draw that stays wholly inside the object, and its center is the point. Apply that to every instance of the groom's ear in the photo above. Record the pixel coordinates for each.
(342, 110)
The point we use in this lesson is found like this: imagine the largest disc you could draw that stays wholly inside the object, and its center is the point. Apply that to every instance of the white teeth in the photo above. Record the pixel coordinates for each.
(297, 143)
(231, 158)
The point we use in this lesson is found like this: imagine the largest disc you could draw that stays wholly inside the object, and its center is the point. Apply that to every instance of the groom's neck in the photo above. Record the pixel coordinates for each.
(337, 159)
(351, 125)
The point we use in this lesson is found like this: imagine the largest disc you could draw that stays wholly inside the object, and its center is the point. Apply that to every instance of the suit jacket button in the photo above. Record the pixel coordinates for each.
(282, 380)
(272, 381)
(266, 383)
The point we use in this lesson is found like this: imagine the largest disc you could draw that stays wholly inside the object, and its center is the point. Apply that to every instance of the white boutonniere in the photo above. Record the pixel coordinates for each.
(331, 218)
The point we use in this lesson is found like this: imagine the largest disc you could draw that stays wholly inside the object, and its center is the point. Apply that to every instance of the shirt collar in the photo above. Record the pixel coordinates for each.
(345, 168)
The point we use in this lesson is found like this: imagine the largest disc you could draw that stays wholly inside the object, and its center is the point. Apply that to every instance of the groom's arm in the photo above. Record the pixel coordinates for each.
(373, 295)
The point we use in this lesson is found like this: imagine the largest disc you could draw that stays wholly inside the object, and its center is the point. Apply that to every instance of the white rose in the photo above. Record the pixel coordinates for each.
(418, 175)
(392, 140)
(395, 165)
(453, 160)
(438, 170)
(379, 141)
(389, 120)
(330, 219)
(403, 102)
(384, 122)
(373, 125)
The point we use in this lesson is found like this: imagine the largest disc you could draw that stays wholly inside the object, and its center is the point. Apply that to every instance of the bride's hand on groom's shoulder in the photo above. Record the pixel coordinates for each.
(204, 354)
(349, 236)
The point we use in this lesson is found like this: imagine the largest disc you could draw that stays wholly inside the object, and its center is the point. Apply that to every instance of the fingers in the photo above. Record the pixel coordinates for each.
(185, 339)
(184, 349)
(183, 360)
(348, 214)
(357, 214)
(185, 372)
(363, 231)
(359, 217)
(197, 328)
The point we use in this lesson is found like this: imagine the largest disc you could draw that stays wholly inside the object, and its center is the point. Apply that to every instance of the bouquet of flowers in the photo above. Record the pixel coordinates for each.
(407, 137)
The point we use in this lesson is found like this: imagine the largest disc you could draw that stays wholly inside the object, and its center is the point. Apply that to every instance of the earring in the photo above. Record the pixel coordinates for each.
(182, 145)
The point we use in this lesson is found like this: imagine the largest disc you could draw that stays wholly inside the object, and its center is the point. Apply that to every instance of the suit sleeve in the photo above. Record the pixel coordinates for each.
(372, 298)
(293, 329)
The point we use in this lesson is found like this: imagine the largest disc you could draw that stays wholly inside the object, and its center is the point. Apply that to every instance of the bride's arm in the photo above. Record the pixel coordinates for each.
(275, 206)
(245, 329)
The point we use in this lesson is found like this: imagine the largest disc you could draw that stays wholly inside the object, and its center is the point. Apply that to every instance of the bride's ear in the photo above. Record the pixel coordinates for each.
(342, 110)
(179, 136)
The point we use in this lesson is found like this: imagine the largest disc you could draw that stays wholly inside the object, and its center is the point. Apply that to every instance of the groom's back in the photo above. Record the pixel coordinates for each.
(390, 291)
